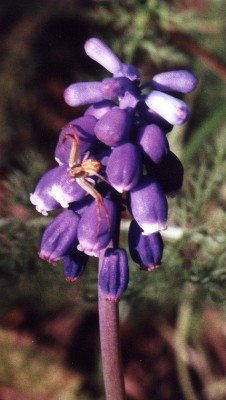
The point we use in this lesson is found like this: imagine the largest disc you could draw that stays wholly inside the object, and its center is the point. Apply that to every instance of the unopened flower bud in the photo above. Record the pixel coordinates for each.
(179, 81)
(101, 53)
(145, 250)
(124, 167)
(60, 237)
(96, 227)
(175, 111)
(74, 265)
(153, 141)
(114, 274)
(113, 128)
(82, 93)
(149, 206)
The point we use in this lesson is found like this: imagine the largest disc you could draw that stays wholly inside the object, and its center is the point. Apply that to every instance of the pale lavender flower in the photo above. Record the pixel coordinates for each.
(180, 81)
(101, 53)
(175, 111)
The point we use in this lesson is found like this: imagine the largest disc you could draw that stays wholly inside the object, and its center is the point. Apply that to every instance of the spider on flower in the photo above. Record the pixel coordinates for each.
(81, 172)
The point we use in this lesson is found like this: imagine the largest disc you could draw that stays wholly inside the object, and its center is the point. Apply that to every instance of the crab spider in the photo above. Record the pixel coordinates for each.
(81, 173)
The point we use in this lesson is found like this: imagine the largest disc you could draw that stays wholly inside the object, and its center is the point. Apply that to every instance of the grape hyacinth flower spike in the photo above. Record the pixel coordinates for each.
(114, 155)
(128, 130)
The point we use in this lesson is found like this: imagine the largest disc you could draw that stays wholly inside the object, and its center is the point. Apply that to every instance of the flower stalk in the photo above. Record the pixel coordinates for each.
(110, 347)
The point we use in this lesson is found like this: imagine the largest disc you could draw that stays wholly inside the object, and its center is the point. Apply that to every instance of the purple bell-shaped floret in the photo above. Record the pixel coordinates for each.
(175, 111)
(182, 81)
(74, 265)
(79, 131)
(114, 127)
(153, 141)
(101, 53)
(97, 110)
(114, 274)
(145, 250)
(96, 227)
(42, 201)
(149, 206)
(169, 174)
(55, 188)
(124, 167)
(60, 237)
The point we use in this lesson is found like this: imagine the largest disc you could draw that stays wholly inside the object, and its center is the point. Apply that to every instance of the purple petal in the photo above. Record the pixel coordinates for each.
(145, 250)
(114, 274)
(101, 53)
(153, 141)
(175, 111)
(124, 167)
(81, 130)
(113, 128)
(180, 81)
(96, 227)
(60, 237)
(149, 206)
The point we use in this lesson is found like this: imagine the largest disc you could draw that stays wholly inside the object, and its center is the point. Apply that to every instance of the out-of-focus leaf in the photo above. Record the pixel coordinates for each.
(207, 128)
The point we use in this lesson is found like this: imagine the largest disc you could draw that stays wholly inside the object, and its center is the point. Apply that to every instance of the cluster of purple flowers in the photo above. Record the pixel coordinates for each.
(115, 155)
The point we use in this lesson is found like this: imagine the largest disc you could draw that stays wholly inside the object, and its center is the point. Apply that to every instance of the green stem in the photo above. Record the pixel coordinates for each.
(183, 322)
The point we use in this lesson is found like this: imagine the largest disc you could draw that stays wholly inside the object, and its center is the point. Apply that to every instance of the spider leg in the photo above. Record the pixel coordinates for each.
(86, 156)
(90, 180)
(74, 153)
(102, 178)
(99, 200)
